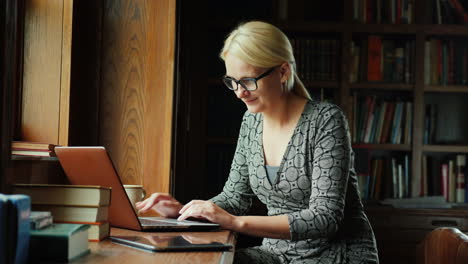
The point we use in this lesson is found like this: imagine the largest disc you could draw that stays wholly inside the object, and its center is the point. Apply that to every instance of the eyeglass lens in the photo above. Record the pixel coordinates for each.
(248, 84)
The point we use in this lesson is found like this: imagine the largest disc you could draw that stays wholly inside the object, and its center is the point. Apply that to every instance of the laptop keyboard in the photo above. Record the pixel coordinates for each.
(154, 222)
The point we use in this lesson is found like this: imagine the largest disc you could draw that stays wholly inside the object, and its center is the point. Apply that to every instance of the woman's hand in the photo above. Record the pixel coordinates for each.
(163, 203)
(209, 211)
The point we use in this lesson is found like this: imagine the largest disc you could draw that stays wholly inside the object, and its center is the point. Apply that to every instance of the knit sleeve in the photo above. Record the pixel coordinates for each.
(330, 172)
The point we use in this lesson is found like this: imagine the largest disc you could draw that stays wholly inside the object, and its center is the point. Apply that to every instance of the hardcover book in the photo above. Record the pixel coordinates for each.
(32, 145)
(76, 195)
(39, 153)
(3, 228)
(75, 213)
(15, 233)
(59, 242)
(97, 230)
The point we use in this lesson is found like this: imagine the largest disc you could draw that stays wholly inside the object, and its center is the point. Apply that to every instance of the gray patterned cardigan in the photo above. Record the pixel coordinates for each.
(315, 187)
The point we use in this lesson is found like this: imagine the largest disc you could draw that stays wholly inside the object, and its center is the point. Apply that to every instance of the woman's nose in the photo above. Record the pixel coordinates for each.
(241, 92)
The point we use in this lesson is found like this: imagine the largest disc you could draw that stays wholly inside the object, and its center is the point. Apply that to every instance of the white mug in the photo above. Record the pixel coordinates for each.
(135, 193)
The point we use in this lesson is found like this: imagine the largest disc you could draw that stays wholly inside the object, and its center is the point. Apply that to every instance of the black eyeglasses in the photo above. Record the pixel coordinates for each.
(250, 83)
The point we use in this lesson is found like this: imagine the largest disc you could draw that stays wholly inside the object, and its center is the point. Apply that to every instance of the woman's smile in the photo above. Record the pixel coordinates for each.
(250, 101)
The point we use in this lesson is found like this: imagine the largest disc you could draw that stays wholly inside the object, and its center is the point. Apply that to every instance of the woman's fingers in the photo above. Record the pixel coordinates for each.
(168, 208)
(153, 201)
(197, 209)
(185, 207)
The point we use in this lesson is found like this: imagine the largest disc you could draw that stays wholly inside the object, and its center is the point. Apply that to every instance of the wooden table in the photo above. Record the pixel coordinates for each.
(108, 252)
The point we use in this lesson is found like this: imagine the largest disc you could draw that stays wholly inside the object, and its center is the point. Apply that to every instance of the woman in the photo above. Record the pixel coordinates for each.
(293, 153)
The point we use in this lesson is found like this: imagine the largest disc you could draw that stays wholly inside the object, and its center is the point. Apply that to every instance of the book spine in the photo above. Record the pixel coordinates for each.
(452, 181)
(445, 181)
(3, 228)
(460, 174)
(418, 182)
(466, 184)
(387, 122)
(395, 178)
(374, 55)
(19, 208)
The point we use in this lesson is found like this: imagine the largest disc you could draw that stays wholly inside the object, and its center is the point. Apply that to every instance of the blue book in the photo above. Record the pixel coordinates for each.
(18, 210)
(466, 184)
(3, 228)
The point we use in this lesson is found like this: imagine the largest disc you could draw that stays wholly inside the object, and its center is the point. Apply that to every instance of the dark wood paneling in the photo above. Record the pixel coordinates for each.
(10, 65)
(190, 179)
(85, 73)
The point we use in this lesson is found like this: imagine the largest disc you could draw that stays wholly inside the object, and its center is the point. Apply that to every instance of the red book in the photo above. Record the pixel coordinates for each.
(374, 59)
(459, 10)
(450, 64)
(398, 12)
(369, 11)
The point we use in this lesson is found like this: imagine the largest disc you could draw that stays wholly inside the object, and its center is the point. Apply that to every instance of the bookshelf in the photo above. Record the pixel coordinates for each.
(212, 147)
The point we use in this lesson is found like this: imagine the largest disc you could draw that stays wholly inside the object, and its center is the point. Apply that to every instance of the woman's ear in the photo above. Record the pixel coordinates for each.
(285, 71)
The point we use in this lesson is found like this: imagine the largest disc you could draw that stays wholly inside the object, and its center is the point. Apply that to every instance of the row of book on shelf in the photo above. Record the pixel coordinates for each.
(316, 59)
(377, 120)
(444, 176)
(403, 11)
(379, 59)
(449, 11)
(381, 178)
(52, 222)
(446, 62)
(384, 11)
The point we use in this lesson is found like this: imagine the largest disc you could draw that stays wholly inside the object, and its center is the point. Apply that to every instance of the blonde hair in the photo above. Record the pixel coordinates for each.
(263, 45)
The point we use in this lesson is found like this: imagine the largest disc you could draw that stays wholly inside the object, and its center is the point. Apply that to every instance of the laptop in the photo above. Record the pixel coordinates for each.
(93, 166)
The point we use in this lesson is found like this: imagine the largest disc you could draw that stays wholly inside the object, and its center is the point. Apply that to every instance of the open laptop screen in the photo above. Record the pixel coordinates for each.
(93, 166)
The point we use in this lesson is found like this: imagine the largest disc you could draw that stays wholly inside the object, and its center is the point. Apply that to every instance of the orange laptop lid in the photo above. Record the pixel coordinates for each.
(93, 166)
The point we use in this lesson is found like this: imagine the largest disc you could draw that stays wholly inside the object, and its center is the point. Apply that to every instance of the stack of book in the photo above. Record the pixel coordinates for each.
(75, 204)
(25, 148)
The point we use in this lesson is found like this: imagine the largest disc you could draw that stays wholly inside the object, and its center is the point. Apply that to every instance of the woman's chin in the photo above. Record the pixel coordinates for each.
(253, 109)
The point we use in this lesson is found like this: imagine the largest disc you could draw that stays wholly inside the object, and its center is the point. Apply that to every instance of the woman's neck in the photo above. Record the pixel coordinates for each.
(285, 111)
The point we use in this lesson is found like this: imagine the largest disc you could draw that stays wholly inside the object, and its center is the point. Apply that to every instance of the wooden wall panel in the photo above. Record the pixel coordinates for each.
(137, 89)
(47, 52)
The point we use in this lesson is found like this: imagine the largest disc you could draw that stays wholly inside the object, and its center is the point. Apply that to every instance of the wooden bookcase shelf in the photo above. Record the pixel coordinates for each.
(397, 147)
(382, 86)
(33, 158)
(446, 88)
(322, 84)
(445, 148)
